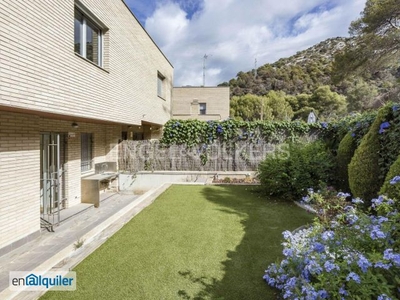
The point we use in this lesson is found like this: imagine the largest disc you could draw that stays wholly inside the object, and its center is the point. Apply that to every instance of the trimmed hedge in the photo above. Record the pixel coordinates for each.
(364, 169)
(346, 149)
(392, 190)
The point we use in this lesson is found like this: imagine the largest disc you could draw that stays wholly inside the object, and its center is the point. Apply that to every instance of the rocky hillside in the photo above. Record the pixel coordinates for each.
(300, 73)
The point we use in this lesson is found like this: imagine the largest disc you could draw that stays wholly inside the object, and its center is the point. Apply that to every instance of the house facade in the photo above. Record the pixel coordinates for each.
(76, 77)
(201, 103)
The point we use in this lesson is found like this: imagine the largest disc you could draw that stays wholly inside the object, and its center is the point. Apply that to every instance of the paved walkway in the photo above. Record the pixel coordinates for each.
(56, 251)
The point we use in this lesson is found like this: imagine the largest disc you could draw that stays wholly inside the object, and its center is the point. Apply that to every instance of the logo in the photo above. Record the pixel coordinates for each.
(40, 281)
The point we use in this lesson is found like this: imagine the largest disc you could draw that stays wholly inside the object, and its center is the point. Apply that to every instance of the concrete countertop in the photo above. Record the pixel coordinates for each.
(100, 177)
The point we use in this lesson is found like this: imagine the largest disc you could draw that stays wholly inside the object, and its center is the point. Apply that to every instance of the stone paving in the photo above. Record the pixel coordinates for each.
(55, 250)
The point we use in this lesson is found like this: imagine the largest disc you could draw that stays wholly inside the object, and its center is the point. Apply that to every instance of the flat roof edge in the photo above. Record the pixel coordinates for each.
(126, 5)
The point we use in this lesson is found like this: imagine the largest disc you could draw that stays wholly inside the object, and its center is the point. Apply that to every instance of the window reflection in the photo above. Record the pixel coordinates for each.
(87, 38)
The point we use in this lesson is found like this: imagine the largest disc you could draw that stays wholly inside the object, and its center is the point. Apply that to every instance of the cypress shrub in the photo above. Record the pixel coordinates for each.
(392, 190)
(365, 177)
(346, 149)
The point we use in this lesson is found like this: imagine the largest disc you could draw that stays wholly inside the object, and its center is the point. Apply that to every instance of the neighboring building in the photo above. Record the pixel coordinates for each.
(75, 78)
(202, 103)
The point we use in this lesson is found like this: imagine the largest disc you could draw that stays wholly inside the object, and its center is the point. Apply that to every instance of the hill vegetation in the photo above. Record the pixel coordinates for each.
(335, 77)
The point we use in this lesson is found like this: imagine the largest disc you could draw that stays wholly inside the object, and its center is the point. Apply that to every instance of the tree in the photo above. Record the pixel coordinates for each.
(327, 103)
(378, 40)
(280, 108)
(248, 107)
(361, 96)
(273, 106)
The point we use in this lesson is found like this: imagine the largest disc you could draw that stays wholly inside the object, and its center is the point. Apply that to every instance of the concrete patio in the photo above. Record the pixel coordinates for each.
(55, 251)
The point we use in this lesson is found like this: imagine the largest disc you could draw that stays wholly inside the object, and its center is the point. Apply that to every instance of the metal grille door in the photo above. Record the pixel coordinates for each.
(50, 181)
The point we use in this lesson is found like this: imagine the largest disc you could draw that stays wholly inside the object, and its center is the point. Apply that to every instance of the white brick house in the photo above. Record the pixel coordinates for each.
(75, 77)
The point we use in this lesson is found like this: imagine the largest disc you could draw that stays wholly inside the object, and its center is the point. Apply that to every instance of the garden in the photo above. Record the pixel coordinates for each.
(348, 173)
(350, 178)
(219, 242)
(193, 242)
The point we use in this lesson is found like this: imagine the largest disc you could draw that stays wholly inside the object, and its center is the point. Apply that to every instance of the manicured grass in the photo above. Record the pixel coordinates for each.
(194, 242)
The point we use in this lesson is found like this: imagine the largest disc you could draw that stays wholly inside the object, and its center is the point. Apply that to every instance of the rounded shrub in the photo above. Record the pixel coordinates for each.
(273, 175)
(346, 149)
(391, 187)
(389, 137)
(290, 173)
(364, 170)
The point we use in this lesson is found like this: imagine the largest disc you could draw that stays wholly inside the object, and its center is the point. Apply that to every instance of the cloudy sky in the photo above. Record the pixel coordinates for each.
(235, 33)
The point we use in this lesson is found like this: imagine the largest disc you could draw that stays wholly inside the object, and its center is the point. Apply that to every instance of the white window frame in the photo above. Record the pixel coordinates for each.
(205, 108)
(83, 35)
(160, 85)
(87, 164)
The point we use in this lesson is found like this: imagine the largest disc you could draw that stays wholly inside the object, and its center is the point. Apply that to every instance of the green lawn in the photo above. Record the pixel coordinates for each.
(193, 242)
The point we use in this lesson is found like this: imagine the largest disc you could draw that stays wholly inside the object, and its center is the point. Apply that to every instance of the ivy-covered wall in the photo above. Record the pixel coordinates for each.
(229, 145)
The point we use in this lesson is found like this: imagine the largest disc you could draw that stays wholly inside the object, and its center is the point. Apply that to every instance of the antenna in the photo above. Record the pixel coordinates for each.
(204, 69)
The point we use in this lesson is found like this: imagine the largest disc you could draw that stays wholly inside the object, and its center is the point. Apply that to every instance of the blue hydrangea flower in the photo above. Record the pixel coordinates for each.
(318, 247)
(313, 267)
(383, 297)
(382, 265)
(291, 283)
(377, 202)
(363, 263)
(324, 125)
(270, 280)
(351, 218)
(384, 125)
(396, 259)
(323, 294)
(376, 233)
(288, 252)
(357, 201)
(328, 235)
(220, 129)
(395, 180)
(382, 219)
(287, 234)
(343, 195)
(342, 291)
(353, 276)
(329, 266)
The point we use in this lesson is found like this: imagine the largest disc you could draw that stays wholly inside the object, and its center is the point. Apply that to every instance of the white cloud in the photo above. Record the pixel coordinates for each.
(167, 24)
(233, 33)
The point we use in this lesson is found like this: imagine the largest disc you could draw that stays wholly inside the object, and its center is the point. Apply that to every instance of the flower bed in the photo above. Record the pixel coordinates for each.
(346, 254)
(228, 180)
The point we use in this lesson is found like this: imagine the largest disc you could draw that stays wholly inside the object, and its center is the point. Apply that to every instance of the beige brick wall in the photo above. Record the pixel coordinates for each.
(185, 102)
(40, 70)
(19, 176)
(40, 73)
(105, 139)
(20, 167)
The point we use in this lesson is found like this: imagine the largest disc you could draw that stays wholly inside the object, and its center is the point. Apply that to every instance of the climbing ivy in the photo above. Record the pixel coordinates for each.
(195, 132)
